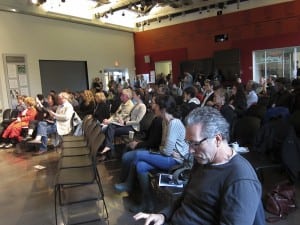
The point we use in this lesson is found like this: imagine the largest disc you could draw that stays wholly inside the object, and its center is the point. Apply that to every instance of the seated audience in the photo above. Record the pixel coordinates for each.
(61, 126)
(12, 134)
(223, 187)
(282, 96)
(151, 141)
(87, 105)
(21, 105)
(172, 151)
(101, 110)
(237, 100)
(190, 101)
(123, 111)
(131, 123)
(43, 115)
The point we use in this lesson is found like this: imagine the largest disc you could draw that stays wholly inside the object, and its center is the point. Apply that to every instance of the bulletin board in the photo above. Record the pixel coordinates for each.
(16, 76)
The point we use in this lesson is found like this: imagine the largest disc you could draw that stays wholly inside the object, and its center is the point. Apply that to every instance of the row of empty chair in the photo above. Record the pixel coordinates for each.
(79, 196)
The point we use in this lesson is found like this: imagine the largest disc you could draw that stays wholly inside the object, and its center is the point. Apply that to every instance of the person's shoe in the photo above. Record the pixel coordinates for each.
(40, 152)
(121, 187)
(102, 158)
(2, 145)
(27, 138)
(10, 145)
(34, 141)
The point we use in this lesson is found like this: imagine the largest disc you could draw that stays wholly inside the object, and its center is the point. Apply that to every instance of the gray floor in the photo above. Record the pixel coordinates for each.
(27, 193)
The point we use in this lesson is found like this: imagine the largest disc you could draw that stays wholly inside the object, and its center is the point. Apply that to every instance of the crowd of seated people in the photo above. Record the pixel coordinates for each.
(59, 122)
(172, 151)
(125, 123)
(12, 134)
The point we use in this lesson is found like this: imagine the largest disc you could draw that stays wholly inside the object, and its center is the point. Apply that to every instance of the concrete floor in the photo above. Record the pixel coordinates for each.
(27, 193)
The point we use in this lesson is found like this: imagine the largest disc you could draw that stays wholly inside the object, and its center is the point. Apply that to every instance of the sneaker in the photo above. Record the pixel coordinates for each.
(10, 145)
(2, 145)
(40, 152)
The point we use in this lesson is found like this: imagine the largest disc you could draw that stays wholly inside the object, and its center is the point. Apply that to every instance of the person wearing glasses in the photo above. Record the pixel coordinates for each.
(223, 187)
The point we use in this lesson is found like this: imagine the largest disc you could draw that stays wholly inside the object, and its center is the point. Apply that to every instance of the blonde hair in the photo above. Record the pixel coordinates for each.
(100, 96)
(88, 97)
(29, 101)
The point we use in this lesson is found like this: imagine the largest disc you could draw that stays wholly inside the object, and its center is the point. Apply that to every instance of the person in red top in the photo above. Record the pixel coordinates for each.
(12, 133)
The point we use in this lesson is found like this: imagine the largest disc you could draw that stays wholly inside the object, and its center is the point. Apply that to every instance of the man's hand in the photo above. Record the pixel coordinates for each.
(156, 219)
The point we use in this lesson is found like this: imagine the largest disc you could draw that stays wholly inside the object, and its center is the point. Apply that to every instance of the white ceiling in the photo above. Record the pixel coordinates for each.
(130, 15)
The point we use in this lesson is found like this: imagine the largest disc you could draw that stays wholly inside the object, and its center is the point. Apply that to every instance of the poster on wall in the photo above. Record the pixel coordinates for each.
(11, 70)
(16, 77)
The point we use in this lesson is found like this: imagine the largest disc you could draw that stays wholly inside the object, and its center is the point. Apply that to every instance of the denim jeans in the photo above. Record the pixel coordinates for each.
(43, 130)
(114, 131)
(145, 161)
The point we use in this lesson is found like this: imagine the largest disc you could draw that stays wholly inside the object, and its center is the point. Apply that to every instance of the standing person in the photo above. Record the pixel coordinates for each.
(208, 93)
(251, 96)
(61, 126)
(187, 80)
(223, 186)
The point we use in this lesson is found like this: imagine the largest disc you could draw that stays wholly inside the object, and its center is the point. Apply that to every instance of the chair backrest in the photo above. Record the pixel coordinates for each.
(14, 113)
(276, 112)
(145, 123)
(96, 144)
(257, 110)
(245, 130)
(6, 115)
(295, 121)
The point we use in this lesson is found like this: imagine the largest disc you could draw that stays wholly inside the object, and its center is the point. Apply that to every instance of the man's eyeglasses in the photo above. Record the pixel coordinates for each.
(195, 144)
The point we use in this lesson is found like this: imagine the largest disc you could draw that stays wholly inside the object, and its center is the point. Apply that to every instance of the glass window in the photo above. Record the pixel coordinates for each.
(282, 62)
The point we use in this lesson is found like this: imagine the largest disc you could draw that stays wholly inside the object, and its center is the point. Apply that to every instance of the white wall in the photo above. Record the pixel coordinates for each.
(41, 38)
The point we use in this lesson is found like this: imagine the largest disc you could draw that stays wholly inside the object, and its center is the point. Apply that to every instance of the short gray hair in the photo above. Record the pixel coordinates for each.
(212, 122)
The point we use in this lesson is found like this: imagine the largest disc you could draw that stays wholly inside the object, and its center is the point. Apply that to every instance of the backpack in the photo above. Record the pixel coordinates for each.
(280, 201)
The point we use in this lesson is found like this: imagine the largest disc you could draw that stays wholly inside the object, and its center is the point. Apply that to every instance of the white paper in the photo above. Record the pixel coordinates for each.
(23, 80)
(11, 70)
(166, 180)
(39, 167)
(13, 84)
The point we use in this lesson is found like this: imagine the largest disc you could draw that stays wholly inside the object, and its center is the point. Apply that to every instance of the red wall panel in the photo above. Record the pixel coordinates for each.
(261, 28)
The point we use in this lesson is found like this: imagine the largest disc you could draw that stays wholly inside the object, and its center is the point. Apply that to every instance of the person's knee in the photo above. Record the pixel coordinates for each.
(142, 167)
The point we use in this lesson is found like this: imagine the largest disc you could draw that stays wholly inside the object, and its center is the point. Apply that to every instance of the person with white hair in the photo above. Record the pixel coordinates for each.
(223, 187)
(61, 123)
